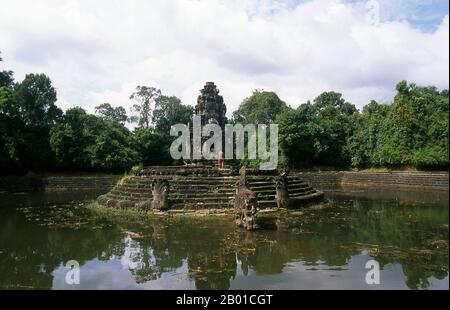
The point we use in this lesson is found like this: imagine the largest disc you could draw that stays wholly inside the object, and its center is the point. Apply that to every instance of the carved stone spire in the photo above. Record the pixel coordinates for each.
(210, 105)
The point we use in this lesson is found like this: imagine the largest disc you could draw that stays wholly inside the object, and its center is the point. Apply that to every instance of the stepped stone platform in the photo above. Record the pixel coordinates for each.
(204, 187)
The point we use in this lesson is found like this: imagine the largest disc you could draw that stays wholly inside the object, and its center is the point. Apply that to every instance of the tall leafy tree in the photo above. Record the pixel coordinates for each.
(34, 102)
(10, 124)
(170, 111)
(153, 148)
(86, 142)
(107, 112)
(417, 128)
(11, 132)
(6, 77)
(145, 97)
(262, 107)
(370, 128)
(316, 133)
(36, 98)
(112, 149)
(298, 135)
(333, 121)
(70, 139)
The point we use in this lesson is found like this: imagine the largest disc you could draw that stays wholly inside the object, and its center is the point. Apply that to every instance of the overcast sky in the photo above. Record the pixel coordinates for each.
(98, 51)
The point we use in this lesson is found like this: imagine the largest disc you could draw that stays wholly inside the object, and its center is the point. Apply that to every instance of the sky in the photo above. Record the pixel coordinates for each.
(99, 51)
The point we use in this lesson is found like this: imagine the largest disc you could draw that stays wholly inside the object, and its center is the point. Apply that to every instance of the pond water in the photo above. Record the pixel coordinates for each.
(321, 247)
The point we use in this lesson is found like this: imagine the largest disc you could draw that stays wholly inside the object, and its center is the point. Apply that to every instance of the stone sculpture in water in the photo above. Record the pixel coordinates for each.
(246, 203)
(160, 193)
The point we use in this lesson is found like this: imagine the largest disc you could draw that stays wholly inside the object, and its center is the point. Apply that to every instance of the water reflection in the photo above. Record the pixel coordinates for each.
(320, 247)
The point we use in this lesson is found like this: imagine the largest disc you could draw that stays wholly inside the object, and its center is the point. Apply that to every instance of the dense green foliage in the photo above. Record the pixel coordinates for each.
(107, 112)
(262, 107)
(412, 131)
(36, 135)
(84, 141)
(169, 111)
(27, 112)
(144, 96)
(329, 131)
(316, 133)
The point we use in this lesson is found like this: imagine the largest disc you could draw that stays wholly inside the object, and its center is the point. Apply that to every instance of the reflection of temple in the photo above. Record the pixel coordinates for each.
(214, 251)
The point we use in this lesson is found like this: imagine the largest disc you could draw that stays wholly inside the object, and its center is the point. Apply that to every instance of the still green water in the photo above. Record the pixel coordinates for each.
(322, 247)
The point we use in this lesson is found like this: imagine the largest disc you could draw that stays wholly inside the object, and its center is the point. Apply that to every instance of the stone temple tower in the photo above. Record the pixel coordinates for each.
(210, 106)
(212, 110)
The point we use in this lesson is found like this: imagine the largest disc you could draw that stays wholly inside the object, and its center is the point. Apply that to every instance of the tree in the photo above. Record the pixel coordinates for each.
(316, 133)
(107, 112)
(10, 124)
(6, 77)
(11, 132)
(112, 148)
(71, 138)
(332, 104)
(36, 99)
(170, 111)
(86, 142)
(262, 107)
(333, 121)
(31, 107)
(416, 132)
(370, 129)
(412, 131)
(297, 135)
(145, 96)
(152, 147)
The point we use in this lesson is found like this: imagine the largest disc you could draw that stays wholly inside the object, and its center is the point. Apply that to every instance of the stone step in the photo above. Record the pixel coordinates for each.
(299, 190)
(312, 191)
(199, 189)
(125, 193)
(198, 206)
(184, 185)
(262, 183)
(267, 203)
(209, 178)
(265, 197)
(184, 181)
(264, 191)
(149, 180)
(223, 200)
(218, 191)
(211, 191)
(128, 193)
(190, 184)
(301, 201)
(205, 190)
(272, 186)
(291, 192)
(202, 194)
(134, 200)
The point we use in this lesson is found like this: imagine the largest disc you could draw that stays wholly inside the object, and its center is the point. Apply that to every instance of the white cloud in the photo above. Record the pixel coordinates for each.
(98, 51)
